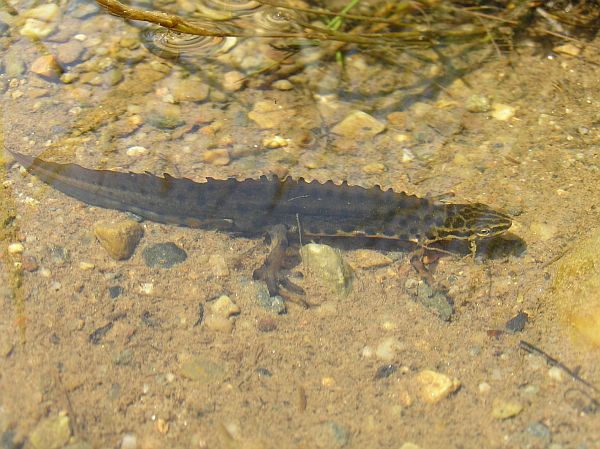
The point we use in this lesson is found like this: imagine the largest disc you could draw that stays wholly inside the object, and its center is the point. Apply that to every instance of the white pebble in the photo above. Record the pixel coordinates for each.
(387, 348)
(137, 150)
(129, 441)
(147, 288)
(502, 111)
(484, 388)
(367, 352)
(16, 248)
(556, 373)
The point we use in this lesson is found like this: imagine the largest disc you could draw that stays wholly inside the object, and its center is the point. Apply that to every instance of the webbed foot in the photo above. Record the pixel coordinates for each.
(273, 272)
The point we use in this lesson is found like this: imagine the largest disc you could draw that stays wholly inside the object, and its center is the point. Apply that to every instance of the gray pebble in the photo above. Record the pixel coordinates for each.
(386, 371)
(124, 357)
(14, 66)
(115, 291)
(163, 255)
(274, 304)
(540, 431)
(8, 441)
(517, 323)
(83, 10)
(58, 255)
(165, 116)
(69, 52)
(263, 372)
(478, 103)
(436, 301)
(330, 435)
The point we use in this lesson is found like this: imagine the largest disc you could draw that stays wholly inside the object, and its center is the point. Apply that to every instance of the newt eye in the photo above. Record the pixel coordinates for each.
(484, 232)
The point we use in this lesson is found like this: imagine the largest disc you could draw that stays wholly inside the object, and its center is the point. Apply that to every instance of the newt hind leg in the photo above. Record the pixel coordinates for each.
(273, 271)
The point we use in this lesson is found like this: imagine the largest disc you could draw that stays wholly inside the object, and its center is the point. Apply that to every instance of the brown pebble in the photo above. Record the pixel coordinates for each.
(119, 239)
(233, 81)
(29, 263)
(397, 119)
(46, 66)
(266, 324)
(219, 156)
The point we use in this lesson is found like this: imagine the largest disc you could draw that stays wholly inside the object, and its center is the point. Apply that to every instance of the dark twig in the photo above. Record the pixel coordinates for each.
(531, 349)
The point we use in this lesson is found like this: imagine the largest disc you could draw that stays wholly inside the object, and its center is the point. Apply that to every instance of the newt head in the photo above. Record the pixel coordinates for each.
(472, 222)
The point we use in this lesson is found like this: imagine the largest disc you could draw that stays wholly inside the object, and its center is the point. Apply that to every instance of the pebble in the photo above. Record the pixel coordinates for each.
(327, 265)
(224, 306)
(556, 374)
(374, 168)
(190, 89)
(136, 151)
(330, 435)
(112, 77)
(274, 142)
(58, 255)
(502, 111)
(29, 263)
(484, 388)
(575, 291)
(409, 445)
(266, 324)
(119, 239)
(385, 371)
(46, 66)
(218, 265)
(115, 291)
(9, 439)
(86, 266)
(282, 85)
(478, 103)
(567, 49)
(16, 248)
(163, 255)
(129, 441)
(36, 29)
(275, 304)
(434, 386)
(543, 231)
(398, 119)
(69, 52)
(269, 115)
(69, 77)
(540, 431)
(233, 81)
(435, 300)
(46, 12)
(504, 409)
(388, 348)
(164, 116)
(51, 433)
(203, 370)
(366, 258)
(220, 314)
(358, 125)
(218, 156)
(14, 66)
(517, 323)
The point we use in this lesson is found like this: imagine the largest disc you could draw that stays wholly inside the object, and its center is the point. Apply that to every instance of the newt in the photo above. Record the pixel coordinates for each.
(280, 207)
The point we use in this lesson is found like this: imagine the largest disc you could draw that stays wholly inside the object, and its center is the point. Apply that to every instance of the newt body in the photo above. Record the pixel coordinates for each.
(254, 206)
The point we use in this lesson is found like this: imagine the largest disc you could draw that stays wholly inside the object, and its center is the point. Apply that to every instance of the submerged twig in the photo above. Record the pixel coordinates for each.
(528, 347)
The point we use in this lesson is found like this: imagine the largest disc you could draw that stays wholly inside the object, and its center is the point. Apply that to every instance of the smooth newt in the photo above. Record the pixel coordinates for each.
(256, 206)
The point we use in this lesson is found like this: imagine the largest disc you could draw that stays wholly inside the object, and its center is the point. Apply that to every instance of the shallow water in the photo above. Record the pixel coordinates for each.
(123, 347)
